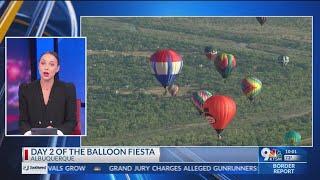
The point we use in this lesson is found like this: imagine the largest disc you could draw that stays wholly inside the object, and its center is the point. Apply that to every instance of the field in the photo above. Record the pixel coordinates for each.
(126, 105)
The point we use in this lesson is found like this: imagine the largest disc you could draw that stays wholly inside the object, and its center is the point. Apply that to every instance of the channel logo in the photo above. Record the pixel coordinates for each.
(271, 154)
(34, 168)
(25, 168)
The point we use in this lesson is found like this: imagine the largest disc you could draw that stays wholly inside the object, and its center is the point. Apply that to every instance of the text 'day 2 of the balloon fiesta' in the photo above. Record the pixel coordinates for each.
(198, 86)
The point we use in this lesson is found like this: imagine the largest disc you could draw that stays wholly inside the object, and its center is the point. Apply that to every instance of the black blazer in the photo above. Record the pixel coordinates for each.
(60, 112)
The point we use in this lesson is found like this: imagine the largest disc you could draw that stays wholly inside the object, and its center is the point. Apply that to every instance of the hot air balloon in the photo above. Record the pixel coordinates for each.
(284, 60)
(210, 53)
(166, 64)
(198, 99)
(251, 87)
(292, 138)
(219, 110)
(261, 20)
(173, 89)
(224, 64)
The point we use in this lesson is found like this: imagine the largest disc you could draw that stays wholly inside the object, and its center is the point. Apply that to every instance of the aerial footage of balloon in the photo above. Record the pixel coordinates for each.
(251, 87)
(225, 63)
(284, 60)
(220, 111)
(261, 20)
(210, 53)
(198, 99)
(292, 138)
(173, 89)
(214, 81)
(166, 64)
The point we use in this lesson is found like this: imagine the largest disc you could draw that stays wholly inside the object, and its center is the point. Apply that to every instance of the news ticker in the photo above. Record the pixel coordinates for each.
(64, 160)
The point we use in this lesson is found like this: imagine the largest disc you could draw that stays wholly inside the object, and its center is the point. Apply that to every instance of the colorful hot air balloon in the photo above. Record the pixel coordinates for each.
(219, 110)
(173, 89)
(284, 60)
(225, 63)
(261, 20)
(251, 87)
(198, 99)
(210, 53)
(166, 64)
(292, 138)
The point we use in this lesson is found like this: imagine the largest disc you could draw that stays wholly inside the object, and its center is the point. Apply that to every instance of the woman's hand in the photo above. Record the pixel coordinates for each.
(49, 127)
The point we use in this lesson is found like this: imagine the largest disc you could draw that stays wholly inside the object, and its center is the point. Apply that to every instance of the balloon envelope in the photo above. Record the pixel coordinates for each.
(173, 90)
(210, 53)
(251, 87)
(166, 64)
(198, 98)
(292, 138)
(261, 20)
(222, 109)
(225, 63)
(284, 60)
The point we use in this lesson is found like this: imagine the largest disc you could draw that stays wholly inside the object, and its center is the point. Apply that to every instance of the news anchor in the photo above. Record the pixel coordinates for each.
(48, 102)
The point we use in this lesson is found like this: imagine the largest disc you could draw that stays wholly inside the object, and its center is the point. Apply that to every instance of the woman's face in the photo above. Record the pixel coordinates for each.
(48, 66)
